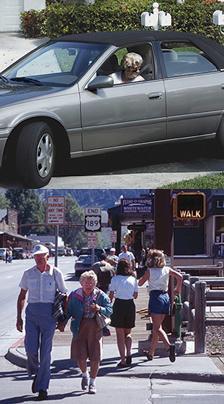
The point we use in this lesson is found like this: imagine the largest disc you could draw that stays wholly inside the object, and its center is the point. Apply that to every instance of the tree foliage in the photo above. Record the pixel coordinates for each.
(29, 207)
(3, 202)
(74, 236)
(32, 210)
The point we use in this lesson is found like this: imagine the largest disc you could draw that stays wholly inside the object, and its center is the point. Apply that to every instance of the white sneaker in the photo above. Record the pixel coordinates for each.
(92, 389)
(84, 382)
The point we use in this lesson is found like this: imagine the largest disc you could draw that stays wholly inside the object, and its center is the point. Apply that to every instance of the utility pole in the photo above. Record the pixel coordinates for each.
(163, 217)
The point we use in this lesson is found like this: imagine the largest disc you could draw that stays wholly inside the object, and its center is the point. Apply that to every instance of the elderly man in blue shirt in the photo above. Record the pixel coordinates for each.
(41, 283)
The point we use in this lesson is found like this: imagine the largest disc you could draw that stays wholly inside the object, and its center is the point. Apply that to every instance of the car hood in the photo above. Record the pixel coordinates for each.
(13, 93)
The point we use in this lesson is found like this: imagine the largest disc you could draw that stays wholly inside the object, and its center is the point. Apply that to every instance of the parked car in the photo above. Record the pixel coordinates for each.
(59, 100)
(88, 251)
(69, 251)
(18, 253)
(83, 263)
(28, 254)
(61, 252)
(3, 253)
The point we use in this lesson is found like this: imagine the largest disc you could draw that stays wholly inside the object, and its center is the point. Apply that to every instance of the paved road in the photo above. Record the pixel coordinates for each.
(10, 276)
(152, 167)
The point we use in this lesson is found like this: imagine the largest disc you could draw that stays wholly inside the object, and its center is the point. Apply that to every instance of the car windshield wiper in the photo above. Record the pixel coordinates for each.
(3, 78)
(27, 80)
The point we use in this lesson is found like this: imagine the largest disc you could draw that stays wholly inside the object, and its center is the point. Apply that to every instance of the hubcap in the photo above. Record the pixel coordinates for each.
(45, 153)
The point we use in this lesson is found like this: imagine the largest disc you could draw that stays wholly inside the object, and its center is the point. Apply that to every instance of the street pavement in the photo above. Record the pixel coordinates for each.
(12, 47)
(191, 378)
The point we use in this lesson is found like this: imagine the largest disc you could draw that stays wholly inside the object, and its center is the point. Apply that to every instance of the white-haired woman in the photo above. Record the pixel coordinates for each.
(131, 65)
(87, 336)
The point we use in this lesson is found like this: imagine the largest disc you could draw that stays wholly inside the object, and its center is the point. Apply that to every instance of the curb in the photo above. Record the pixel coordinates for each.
(192, 377)
(19, 359)
(14, 356)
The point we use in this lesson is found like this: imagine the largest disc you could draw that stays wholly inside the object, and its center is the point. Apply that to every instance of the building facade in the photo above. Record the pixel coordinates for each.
(10, 9)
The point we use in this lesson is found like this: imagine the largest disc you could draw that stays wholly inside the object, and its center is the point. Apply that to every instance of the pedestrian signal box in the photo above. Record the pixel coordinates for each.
(190, 205)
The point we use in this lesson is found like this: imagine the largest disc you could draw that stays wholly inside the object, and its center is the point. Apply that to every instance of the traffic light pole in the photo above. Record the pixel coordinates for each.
(56, 245)
(163, 218)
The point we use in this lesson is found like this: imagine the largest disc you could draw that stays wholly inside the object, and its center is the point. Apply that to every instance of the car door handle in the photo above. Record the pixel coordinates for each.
(222, 86)
(153, 96)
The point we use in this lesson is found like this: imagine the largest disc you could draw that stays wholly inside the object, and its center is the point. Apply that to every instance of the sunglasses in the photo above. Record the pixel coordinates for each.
(137, 69)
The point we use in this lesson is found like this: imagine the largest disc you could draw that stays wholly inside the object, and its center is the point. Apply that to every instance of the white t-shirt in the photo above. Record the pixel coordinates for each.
(118, 80)
(124, 286)
(159, 278)
(129, 255)
(41, 286)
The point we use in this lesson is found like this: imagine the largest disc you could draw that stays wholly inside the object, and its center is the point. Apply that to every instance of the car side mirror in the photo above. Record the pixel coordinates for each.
(100, 82)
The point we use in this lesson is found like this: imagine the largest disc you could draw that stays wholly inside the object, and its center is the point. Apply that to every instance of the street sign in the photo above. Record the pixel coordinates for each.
(92, 219)
(137, 206)
(91, 240)
(55, 210)
(128, 239)
(113, 236)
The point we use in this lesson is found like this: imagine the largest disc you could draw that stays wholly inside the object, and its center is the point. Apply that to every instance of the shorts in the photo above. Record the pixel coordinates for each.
(123, 314)
(159, 302)
(88, 343)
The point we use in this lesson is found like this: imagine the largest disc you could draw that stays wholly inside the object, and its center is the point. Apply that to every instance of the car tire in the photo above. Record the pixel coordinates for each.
(35, 154)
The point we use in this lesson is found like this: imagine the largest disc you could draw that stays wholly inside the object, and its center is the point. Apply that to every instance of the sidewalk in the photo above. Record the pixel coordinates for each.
(14, 45)
(188, 365)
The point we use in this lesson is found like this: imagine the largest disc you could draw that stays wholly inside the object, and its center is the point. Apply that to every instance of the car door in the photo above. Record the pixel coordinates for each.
(194, 91)
(123, 115)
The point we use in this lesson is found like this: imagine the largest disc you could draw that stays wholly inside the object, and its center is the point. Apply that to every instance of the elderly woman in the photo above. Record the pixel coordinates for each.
(87, 335)
(131, 64)
(124, 288)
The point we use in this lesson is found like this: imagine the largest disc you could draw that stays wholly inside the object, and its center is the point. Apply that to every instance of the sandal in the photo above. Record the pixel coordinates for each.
(148, 355)
(171, 352)
(121, 365)
(128, 360)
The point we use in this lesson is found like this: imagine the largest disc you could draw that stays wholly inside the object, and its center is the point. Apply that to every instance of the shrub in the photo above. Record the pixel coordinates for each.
(33, 23)
(61, 18)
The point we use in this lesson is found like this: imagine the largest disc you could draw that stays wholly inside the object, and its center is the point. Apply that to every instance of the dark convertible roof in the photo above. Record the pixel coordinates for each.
(124, 38)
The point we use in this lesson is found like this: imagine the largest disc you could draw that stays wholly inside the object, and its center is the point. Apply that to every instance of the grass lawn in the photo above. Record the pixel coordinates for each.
(200, 182)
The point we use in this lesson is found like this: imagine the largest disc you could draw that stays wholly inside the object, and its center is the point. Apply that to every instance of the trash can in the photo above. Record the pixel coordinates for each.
(177, 314)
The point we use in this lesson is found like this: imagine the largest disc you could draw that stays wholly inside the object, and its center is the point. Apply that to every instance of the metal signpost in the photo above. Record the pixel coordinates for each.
(56, 217)
(92, 225)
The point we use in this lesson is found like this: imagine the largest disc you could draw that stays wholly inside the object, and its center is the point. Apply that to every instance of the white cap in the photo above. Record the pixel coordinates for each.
(112, 249)
(40, 249)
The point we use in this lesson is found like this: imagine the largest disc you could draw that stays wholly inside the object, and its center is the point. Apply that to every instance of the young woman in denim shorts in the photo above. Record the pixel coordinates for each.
(157, 275)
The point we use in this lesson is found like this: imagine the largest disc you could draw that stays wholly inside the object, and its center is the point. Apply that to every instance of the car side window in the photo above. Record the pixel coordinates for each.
(113, 64)
(184, 59)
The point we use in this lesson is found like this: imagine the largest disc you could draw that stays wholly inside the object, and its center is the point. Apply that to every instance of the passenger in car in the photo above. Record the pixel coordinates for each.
(131, 65)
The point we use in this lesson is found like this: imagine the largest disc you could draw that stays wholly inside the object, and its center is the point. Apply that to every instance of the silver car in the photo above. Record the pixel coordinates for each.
(84, 263)
(60, 101)
(3, 254)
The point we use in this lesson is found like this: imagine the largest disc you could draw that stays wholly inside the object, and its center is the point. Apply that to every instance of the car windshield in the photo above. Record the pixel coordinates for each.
(55, 64)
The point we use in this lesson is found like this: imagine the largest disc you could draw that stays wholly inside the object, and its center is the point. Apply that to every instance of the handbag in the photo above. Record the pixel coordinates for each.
(58, 306)
(102, 320)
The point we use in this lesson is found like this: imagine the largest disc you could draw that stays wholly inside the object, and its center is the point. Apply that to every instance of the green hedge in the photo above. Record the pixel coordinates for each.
(71, 18)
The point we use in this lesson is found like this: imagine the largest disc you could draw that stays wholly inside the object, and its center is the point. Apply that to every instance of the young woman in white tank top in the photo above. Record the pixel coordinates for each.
(157, 275)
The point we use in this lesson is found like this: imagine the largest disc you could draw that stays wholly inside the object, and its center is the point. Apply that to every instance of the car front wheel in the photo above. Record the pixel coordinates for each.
(35, 155)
